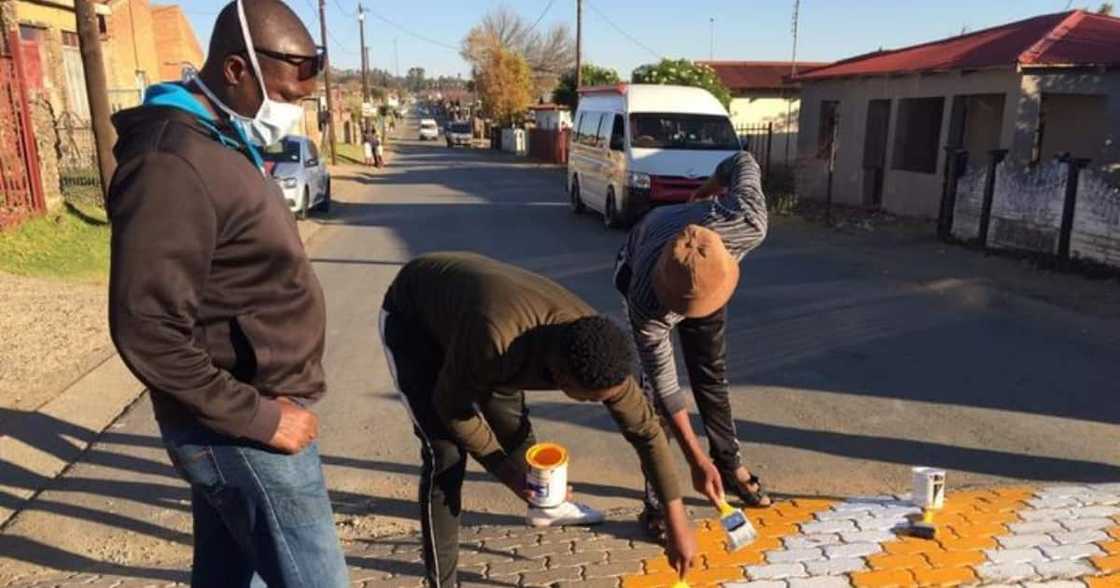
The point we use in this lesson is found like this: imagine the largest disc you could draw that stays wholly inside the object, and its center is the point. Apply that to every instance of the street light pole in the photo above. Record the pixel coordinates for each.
(327, 81)
(711, 39)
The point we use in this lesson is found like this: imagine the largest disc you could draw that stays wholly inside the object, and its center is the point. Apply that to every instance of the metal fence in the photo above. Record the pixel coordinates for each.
(79, 178)
(21, 192)
(758, 139)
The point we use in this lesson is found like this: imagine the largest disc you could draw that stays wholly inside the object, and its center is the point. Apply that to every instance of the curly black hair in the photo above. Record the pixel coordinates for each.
(600, 353)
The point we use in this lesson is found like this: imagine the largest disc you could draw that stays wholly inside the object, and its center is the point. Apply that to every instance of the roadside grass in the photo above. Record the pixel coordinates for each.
(71, 244)
(348, 153)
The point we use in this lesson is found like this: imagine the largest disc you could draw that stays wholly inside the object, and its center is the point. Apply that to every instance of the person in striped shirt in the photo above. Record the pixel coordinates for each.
(678, 269)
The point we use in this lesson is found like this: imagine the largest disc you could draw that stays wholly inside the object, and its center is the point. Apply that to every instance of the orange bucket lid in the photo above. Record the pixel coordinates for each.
(546, 455)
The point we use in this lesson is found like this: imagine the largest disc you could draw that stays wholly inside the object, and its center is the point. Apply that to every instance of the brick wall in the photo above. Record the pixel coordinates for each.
(176, 42)
(1027, 205)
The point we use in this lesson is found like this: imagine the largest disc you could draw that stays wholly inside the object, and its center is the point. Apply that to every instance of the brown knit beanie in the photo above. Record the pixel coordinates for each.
(695, 275)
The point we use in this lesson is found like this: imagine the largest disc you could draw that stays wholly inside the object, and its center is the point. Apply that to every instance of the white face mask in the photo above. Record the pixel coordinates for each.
(274, 119)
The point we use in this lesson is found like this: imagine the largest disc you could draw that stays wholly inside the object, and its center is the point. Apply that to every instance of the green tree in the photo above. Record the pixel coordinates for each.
(593, 75)
(504, 83)
(1106, 9)
(415, 79)
(683, 72)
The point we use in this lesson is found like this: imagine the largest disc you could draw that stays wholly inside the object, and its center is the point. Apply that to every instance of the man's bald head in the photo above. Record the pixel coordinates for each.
(278, 36)
(273, 25)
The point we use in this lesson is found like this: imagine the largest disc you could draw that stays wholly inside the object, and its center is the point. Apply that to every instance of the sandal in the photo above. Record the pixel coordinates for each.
(653, 525)
(750, 492)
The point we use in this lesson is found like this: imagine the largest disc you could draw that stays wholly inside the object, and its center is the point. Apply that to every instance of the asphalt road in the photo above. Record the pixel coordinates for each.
(845, 373)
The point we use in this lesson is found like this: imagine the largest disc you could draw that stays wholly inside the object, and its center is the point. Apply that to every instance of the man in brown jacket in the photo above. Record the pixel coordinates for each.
(464, 336)
(214, 306)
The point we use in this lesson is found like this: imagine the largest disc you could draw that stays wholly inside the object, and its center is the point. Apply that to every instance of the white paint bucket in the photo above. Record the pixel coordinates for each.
(929, 487)
(547, 479)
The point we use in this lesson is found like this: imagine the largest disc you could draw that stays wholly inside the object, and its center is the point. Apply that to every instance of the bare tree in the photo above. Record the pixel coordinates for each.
(548, 54)
(1105, 9)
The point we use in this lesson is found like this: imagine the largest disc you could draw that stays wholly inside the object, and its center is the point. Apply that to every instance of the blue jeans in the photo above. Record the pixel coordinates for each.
(261, 518)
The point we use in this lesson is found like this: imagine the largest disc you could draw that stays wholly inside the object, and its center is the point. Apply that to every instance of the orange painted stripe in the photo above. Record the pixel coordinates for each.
(716, 564)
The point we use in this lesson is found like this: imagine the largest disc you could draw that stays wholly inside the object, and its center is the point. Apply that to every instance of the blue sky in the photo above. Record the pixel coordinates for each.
(744, 29)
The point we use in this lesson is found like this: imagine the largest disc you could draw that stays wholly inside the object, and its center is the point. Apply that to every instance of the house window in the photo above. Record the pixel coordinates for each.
(827, 127)
(69, 39)
(1073, 124)
(917, 133)
(30, 33)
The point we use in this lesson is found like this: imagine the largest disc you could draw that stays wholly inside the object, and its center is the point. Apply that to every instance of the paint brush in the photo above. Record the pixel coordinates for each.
(740, 532)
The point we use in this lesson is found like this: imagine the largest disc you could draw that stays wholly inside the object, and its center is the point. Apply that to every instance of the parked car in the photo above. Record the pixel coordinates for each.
(635, 146)
(429, 130)
(303, 178)
(459, 133)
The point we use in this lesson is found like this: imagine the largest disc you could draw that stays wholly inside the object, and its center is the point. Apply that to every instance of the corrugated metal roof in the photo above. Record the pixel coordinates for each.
(1065, 38)
(740, 76)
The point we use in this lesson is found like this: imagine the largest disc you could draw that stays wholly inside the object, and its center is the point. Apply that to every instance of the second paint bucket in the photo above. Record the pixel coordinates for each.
(547, 479)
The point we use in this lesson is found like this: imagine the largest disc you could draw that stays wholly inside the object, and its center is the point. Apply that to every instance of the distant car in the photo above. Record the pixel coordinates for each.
(303, 178)
(459, 133)
(429, 130)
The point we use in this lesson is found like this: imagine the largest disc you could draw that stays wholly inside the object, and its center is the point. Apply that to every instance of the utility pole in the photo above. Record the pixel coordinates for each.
(397, 56)
(89, 41)
(792, 74)
(327, 81)
(365, 53)
(579, 46)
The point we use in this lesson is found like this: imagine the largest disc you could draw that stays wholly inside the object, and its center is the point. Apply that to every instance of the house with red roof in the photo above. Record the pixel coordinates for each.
(1038, 88)
(763, 95)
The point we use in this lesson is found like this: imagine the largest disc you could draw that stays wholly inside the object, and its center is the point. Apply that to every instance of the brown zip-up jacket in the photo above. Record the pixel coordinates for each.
(213, 304)
(489, 320)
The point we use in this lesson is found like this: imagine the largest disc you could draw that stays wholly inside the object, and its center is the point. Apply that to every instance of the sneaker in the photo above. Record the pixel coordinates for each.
(568, 513)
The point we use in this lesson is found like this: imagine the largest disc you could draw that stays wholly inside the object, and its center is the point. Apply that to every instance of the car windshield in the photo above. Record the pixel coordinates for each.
(460, 128)
(427, 125)
(284, 151)
(675, 130)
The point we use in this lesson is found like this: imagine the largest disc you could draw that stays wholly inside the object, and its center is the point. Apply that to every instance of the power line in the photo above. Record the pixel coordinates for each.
(411, 33)
(353, 13)
(622, 32)
(541, 17)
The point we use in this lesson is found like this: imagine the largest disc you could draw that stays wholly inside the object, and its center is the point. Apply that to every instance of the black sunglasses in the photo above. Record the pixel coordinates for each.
(309, 65)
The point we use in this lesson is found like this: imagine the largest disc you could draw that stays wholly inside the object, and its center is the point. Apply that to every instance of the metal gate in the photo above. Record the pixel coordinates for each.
(758, 139)
(78, 173)
(21, 191)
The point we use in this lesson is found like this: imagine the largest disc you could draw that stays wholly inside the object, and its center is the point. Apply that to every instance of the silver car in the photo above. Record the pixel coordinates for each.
(295, 165)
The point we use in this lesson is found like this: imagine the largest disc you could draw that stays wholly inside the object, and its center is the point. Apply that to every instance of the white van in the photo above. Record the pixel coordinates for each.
(635, 146)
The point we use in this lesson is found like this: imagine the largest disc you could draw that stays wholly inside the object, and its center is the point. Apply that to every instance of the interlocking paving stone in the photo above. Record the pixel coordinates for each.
(1020, 541)
(1072, 551)
(808, 541)
(1016, 572)
(820, 582)
(1015, 556)
(833, 567)
(777, 571)
(1067, 569)
(550, 577)
(795, 555)
(852, 550)
(612, 569)
(1087, 536)
(1089, 523)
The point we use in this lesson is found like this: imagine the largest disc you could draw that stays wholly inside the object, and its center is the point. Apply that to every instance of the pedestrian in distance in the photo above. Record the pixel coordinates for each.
(678, 269)
(214, 305)
(378, 150)
(367, 146)
(464, 336)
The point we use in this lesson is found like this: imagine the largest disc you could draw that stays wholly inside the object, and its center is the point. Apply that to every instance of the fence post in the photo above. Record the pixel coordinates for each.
(831, 166)
(1066, 232)
(956, 161)
(997, 156)
(769, 149)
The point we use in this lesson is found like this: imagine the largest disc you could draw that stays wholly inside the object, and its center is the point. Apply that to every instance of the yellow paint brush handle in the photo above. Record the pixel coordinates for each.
(724, 508)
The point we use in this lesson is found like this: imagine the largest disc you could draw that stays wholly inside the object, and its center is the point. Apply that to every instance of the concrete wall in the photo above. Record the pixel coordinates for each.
(904, 192)
(770, 107)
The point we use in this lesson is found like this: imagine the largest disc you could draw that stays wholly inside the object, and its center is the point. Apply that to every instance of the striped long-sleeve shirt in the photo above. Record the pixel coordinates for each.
(739, 217)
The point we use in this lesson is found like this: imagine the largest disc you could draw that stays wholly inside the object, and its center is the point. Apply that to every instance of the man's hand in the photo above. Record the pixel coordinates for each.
(297, 429)
(706, 480)
(681, 542)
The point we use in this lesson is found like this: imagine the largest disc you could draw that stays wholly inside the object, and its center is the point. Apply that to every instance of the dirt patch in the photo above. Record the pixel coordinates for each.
(54, 331)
